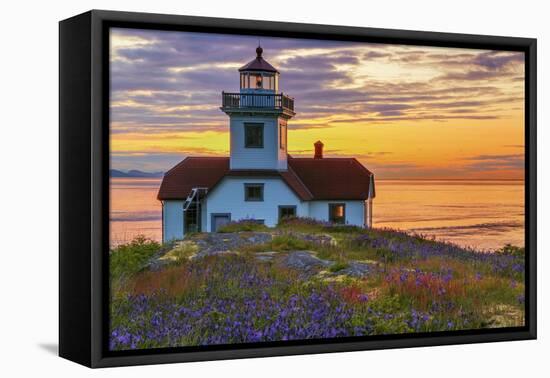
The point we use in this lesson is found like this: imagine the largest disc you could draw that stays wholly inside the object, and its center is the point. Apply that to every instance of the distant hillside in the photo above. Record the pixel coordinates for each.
(133, 173)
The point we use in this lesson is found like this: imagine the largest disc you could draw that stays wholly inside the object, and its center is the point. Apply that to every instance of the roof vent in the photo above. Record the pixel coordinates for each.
(318, 150)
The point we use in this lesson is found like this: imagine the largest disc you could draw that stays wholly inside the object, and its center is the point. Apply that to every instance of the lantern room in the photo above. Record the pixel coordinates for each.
(259, 76)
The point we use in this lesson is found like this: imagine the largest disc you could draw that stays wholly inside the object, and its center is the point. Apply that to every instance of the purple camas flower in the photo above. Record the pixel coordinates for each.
(448, 276)
(518, 268)
(521, 299)
(403, 246)
(254, 316)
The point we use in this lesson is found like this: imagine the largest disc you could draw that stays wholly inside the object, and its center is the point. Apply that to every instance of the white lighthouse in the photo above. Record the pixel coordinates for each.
(260, 181)
(258, 116)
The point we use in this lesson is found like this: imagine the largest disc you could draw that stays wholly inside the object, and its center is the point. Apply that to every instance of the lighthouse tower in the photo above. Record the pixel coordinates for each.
(258, 116)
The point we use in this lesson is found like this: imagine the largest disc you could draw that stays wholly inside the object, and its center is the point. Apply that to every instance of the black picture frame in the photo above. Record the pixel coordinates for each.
(84, 186)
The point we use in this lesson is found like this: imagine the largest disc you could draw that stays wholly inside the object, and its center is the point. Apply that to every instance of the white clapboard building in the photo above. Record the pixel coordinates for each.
(260, 180)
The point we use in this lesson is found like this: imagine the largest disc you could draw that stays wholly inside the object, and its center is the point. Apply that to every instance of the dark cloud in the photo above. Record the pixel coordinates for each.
(495, 60)
(409, 57)
(487, 65)
(496, 157)
(472, 75)
(502, 162)
(381, 118)
(375, 54)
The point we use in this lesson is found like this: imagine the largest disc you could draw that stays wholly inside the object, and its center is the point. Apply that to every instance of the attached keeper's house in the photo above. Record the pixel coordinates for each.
(260, 180)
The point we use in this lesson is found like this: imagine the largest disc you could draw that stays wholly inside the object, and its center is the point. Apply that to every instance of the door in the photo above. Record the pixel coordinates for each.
(192, 220)
(219, 220)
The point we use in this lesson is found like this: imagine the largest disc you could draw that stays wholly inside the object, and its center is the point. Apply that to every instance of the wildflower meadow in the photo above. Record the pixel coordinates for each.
(306, 280)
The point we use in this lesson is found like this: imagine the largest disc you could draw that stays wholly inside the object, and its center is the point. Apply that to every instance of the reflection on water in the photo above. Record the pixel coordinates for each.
(135, 209)
(482, 214)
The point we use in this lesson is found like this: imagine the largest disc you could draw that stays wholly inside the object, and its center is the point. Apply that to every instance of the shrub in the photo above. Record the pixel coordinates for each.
(303, 224)
(128, 259)
(511, 250)
(243, 225)
(306, 224)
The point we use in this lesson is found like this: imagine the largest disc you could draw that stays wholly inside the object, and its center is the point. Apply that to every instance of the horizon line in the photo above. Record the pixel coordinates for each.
(378, 179)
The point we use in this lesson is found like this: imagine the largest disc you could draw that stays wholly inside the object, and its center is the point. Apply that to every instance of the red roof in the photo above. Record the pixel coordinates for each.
(192, 172)
(258, 64)
(333, 178)
(310, 179)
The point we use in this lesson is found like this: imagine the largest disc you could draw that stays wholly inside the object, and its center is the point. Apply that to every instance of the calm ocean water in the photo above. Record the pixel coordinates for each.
(481, 214)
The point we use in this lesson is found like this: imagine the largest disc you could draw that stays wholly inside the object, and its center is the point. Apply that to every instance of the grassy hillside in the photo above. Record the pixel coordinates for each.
(306, 279)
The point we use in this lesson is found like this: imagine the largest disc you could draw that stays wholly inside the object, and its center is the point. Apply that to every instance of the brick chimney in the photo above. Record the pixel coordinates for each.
(318, 150)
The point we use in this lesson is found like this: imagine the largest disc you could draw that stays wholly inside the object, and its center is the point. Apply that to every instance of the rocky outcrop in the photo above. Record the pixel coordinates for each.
(218, 244)
(356, 269)
(306, 261)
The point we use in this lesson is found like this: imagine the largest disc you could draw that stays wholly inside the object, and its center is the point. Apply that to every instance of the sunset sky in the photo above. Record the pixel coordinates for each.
(403, 111)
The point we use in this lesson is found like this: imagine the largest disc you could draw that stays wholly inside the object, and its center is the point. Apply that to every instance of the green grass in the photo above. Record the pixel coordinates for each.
(338, 267)
(281, 243)
(290, 243)
(243, 225)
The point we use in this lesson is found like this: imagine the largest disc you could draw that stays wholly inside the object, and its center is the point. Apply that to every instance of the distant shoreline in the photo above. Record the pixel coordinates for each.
(134, 173)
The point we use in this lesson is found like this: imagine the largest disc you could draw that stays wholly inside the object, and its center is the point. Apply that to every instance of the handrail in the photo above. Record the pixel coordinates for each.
(257, 100)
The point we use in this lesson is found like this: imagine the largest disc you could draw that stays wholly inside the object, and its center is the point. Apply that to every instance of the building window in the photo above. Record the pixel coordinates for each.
(337, 212)
(253, 192)
(245, 80)
(268, 82)
(287, 211)
(254, 135)
(282, 136)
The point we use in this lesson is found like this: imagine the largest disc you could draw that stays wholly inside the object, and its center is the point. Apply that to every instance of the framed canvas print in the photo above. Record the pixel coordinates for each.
(234, 188)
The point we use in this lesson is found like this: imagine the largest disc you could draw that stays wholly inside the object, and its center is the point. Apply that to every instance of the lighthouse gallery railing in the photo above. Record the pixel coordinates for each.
(248, 100)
